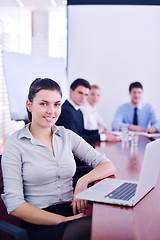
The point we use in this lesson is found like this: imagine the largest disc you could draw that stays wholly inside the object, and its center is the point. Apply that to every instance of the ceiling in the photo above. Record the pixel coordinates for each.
(33, 4)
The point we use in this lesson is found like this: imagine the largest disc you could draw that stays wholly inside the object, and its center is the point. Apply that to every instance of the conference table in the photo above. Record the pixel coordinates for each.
(141, 222)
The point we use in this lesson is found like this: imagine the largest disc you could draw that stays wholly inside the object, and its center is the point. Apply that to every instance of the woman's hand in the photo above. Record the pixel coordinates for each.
(79, 204)
(79, 215)
(103, 170)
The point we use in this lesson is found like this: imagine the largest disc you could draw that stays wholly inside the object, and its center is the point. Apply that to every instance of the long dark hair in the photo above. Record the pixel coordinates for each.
(41, 84)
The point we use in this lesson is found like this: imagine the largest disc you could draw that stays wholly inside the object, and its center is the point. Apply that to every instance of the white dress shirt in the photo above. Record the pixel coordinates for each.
(92, 119)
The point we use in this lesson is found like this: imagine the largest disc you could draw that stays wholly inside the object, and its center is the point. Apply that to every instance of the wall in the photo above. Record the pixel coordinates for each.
(114, 45)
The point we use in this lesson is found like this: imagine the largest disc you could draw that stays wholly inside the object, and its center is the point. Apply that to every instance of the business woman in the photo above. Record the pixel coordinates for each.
(38, 167)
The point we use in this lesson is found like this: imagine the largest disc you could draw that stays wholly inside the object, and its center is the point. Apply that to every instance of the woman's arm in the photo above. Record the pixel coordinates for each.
(103, 170)
(32, 214)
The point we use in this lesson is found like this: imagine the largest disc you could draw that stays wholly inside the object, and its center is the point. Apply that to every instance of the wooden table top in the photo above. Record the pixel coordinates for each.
(141, 222)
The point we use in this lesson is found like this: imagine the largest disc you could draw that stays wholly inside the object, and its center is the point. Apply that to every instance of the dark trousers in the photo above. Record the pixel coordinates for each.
(79, 229)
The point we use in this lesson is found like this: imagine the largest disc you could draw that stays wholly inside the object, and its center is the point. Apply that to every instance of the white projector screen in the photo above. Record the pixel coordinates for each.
(20, 71)
(112, 46)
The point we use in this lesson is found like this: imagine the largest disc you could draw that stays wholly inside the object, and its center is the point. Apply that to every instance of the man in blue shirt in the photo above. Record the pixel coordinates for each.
(136, 115)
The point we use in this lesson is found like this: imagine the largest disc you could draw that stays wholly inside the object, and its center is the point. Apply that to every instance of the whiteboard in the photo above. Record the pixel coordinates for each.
(21, 69)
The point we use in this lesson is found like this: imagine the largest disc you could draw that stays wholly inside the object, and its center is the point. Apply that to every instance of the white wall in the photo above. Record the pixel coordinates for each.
(113, 46)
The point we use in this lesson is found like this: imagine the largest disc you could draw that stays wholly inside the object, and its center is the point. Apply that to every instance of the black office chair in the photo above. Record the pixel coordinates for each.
(12, 231)
(81, 170)
(9, 226)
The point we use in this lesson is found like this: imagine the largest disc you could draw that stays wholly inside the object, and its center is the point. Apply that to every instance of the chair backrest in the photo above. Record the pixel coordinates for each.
(9, 225)
(4, 215)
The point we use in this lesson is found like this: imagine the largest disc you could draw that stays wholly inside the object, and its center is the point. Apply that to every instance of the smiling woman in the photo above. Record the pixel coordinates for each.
(39, 161)
(44, 107)
(46, 99)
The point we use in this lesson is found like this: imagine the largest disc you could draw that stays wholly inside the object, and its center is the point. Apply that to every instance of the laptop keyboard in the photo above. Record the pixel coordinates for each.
(123, 192)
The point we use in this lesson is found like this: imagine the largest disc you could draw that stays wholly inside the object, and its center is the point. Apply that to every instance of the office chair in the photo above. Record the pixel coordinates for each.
(9, 228)
(17, 232)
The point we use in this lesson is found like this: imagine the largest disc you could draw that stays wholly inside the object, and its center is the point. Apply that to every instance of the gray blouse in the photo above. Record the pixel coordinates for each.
(31, 173)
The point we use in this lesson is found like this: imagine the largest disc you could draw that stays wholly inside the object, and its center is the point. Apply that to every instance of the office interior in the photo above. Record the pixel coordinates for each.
(112, 51)
(45, 28)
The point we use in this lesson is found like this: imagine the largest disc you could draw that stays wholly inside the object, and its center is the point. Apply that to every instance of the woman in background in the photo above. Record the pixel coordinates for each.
(92, 119)
(38, 167)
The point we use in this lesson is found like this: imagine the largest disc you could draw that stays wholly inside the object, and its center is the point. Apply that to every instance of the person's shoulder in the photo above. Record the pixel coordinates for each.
(67, 106)
(124, 105)
(18, 134)
(62, 131)
(146, 105)
(13, 137)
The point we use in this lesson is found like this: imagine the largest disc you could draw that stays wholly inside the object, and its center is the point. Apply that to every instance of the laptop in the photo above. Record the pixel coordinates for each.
(124, 192)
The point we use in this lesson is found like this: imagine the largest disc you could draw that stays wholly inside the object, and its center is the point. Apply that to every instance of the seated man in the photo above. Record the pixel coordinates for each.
(136, 115)
(72, 118)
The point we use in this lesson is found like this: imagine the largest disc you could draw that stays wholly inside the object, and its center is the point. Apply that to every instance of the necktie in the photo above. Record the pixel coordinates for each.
(135, 116)
(81, 118)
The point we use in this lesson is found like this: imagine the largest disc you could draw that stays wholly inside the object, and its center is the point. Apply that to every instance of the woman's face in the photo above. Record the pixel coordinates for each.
(45, 108)
(94, 96)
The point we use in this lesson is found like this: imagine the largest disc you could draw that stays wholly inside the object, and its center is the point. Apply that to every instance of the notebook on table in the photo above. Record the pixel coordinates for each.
(124, 192)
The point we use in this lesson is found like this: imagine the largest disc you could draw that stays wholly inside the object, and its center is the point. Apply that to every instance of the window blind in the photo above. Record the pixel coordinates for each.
(16, 38)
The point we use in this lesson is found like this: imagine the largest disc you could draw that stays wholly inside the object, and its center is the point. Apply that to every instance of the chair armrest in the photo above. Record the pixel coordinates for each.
(18, 232)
